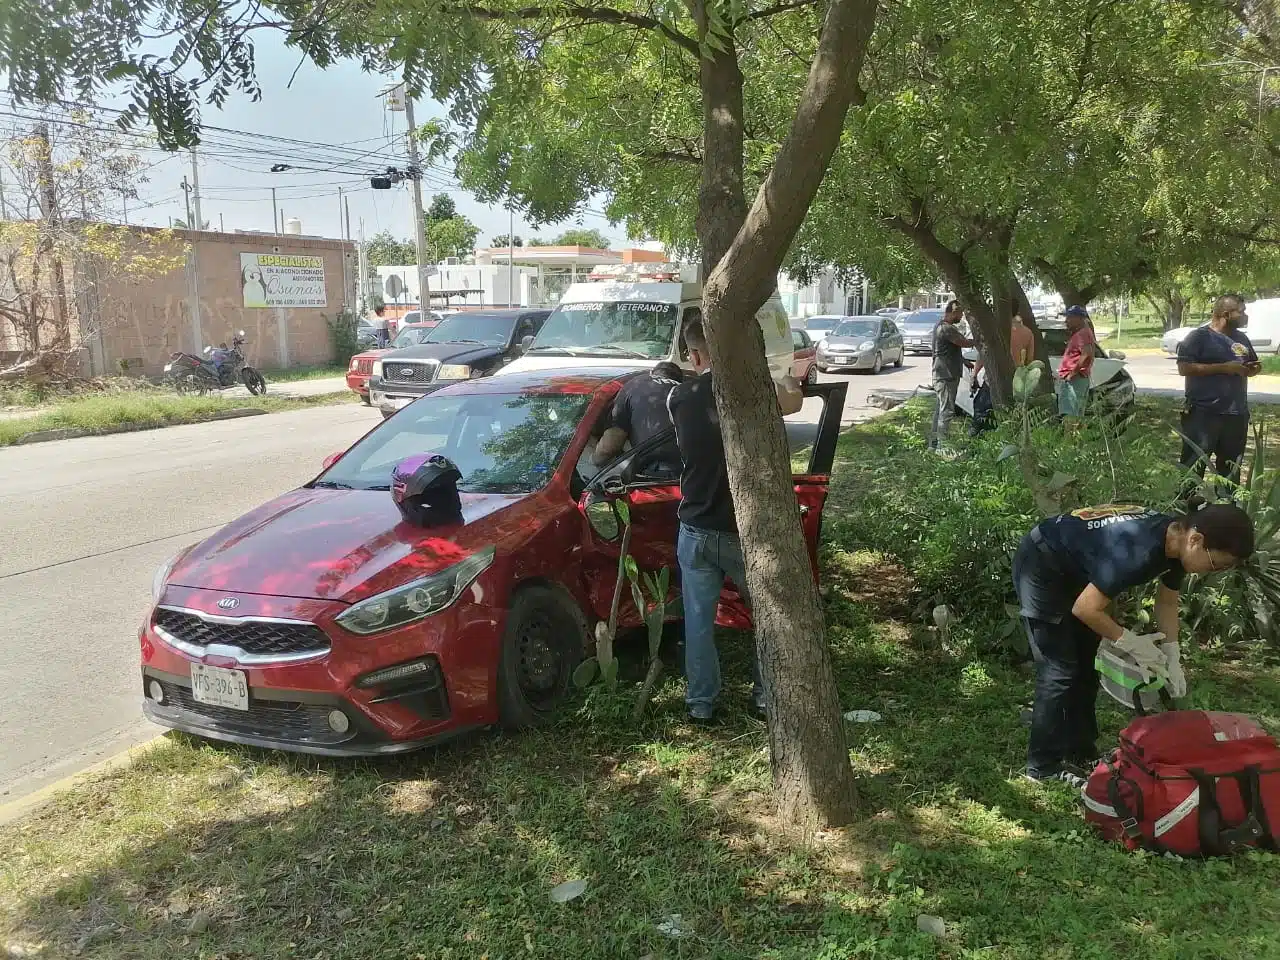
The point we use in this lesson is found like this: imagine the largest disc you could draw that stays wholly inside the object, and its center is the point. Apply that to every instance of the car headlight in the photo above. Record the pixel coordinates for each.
(168, 368)
(377, 369)
(453, 371)
(355, 362)
(416, 599)
(866, 345)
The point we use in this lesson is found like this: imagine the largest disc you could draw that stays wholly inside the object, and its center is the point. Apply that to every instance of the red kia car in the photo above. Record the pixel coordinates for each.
(361, 367)
(326, 623)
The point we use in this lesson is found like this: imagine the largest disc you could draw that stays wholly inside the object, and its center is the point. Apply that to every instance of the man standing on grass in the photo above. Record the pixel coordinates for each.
(948, 364)
(708, 547)
(1217, 360)
(1077, 363)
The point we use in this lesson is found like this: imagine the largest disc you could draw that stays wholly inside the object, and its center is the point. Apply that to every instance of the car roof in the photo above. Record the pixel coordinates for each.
(512, 313)
(583, 379)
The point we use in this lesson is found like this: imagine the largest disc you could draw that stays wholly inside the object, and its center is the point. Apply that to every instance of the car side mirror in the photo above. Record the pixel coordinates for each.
(1116, 354)
(331, 459)
(603, 516)
(526, 342)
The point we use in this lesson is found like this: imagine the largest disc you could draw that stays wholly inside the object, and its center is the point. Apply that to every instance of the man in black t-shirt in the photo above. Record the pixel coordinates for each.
(639, 414)
(708, 548)
(1217, 359)
(948, 365)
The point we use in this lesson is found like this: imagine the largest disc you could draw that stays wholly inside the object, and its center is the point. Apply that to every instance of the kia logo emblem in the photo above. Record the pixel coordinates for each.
(228, 603)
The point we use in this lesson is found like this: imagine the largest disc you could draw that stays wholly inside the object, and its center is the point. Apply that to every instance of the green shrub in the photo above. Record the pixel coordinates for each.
(343, 337)
(954, 524)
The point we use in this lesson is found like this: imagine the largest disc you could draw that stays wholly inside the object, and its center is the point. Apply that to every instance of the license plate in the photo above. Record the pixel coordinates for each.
(842, 359)
(219, 687)
(399, 403)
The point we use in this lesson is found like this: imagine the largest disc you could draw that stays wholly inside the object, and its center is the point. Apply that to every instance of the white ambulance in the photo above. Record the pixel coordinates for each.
(626, 314)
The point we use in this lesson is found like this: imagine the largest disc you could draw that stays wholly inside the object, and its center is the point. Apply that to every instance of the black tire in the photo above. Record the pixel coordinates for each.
(897, 364)
(878, 365)
(253, 381)
(812, 376)
(544, 641)
(364, 398)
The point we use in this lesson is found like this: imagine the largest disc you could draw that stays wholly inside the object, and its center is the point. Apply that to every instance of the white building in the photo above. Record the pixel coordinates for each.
(460, 285)
(824, 295)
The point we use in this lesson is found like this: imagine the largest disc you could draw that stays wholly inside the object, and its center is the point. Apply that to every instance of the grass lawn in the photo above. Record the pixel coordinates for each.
(294, 374)
(156, 408)
(1271, 364)
(1135, 332)
(209, 851)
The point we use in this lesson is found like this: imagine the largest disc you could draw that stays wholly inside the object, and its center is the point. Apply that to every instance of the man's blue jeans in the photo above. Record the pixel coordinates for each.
(706, 558)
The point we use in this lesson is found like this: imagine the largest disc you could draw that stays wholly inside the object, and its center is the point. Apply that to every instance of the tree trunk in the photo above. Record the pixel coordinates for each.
(808, 752)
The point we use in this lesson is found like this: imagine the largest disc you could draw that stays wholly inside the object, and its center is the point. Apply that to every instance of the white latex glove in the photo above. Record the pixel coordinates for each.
(1176, 679)
(1142, 648)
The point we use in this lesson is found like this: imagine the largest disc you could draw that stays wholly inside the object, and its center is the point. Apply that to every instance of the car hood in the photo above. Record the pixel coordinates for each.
(916, 329)
(848, 342)
(370, 354)
(446, 352)
(344, 544)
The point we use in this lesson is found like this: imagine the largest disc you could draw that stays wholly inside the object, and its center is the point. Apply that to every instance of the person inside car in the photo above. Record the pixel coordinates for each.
(1066, 572)
(639, 413)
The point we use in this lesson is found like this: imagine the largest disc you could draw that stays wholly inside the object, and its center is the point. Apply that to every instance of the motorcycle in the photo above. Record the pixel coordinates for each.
(223, 367)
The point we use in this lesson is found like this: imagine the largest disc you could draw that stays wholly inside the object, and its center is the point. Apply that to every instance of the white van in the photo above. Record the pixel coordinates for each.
(633, 313)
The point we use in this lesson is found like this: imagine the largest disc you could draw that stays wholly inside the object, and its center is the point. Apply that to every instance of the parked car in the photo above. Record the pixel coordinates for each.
(917, 330)
(1263, 329)
(1111, 388)
(462, 346)
(331, 620)
(861, 343)
(805, 366)
(891, 312)
(361, 366)
(819, 327)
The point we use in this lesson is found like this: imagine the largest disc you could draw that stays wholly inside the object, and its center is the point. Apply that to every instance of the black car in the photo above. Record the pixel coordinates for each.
(461, 347)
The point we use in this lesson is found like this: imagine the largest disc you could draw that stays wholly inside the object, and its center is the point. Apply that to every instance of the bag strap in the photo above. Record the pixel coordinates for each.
(1129, 818)
(1216, 838)
(1250, 781)
(1166, 700)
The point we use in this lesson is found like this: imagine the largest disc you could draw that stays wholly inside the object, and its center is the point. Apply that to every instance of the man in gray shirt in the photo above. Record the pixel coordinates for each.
(948, 364)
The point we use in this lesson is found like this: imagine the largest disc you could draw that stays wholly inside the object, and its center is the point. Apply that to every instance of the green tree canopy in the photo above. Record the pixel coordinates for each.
(384, 250)
(442, 207)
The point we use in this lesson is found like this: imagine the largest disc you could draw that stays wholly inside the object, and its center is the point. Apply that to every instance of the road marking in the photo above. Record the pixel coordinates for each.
(16, 809)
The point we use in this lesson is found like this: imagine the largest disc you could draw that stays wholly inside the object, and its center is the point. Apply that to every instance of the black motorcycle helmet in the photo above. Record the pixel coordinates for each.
(425, 488)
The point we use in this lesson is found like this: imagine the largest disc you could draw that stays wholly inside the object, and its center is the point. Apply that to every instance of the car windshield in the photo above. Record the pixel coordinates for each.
(489, 328)
(821, 323)
(410, 337)
(630, 328)
(857, 328)
(500, 442)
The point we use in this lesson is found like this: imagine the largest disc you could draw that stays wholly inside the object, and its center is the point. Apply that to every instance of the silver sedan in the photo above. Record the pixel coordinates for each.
(861, 343)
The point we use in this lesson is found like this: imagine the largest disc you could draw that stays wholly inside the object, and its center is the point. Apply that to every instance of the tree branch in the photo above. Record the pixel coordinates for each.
(778, 8)
(587, 14)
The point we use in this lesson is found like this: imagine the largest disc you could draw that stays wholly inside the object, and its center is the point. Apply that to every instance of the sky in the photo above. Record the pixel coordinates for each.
(338, 106)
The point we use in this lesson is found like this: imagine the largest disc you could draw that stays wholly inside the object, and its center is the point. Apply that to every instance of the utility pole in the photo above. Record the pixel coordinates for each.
(49, 221)
(222, 227)
(419, 227)
(340, 213)
(275, 213)
(363, 266)
(4, 210)
(186, 194)
(346, 203)
(195, 189)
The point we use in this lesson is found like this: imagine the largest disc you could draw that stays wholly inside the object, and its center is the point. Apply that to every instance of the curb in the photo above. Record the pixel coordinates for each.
(15, 809)
(71, 433)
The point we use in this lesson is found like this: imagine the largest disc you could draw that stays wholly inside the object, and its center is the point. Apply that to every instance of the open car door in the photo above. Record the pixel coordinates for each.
(651, 505)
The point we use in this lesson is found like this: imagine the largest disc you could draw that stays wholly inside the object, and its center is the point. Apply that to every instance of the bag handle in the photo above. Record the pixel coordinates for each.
(1166, 700)
(1215, 838)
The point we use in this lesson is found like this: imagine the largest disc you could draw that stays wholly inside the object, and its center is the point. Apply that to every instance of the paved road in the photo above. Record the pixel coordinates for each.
(84, 525)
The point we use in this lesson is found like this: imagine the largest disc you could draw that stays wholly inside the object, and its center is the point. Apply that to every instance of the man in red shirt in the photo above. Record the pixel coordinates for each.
(1077, 364)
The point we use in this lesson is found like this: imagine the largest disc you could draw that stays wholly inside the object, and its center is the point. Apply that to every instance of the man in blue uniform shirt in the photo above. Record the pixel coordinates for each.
(1217, 361)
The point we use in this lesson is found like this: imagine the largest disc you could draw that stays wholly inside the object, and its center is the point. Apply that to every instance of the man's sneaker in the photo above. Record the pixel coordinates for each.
(1068, 775)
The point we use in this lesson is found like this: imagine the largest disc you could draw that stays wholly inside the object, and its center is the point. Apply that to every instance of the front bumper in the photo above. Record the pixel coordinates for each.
(390, 397)
(359, 382)
(847, 361)
(290, 702)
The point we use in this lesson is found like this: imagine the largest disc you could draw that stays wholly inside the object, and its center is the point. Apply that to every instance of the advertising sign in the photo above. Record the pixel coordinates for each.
(282, 280)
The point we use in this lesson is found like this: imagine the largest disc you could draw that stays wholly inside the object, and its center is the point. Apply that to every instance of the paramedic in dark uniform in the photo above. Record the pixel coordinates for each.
(1217, 360)
(1067, 571)
(639, 413)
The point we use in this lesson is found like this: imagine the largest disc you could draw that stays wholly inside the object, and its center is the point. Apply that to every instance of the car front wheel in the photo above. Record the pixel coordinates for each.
(545, 638)
(812, 375)
(878, 365)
